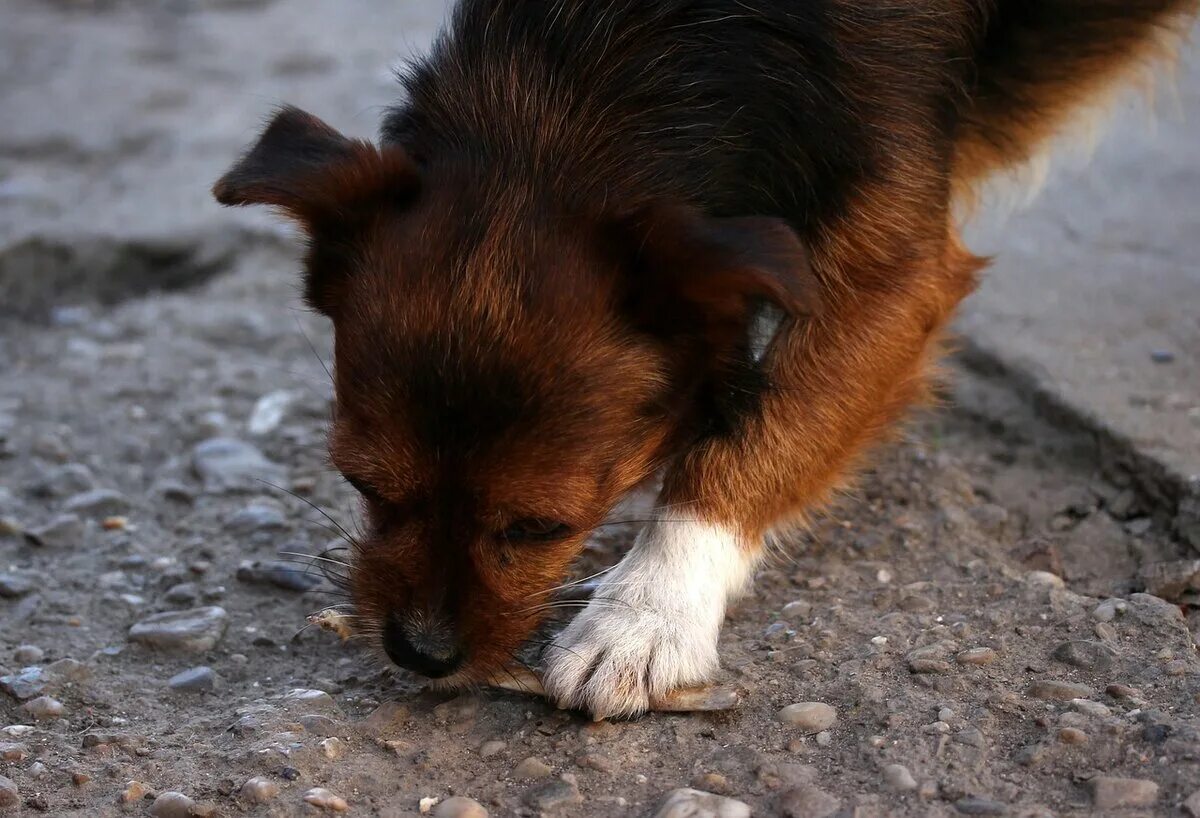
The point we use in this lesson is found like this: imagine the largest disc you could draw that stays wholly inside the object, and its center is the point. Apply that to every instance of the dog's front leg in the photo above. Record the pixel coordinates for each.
(838, 384)
(652, 624)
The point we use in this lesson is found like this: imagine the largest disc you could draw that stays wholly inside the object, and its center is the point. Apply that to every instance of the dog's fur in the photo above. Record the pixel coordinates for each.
(607, 239)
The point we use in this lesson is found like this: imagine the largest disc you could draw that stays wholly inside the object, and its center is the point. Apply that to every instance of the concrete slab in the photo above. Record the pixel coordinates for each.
(1094, 296)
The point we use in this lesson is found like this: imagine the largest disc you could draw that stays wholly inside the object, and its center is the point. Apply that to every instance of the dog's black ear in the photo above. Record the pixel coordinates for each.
(313, 173)
(694, 274)
(333, 186)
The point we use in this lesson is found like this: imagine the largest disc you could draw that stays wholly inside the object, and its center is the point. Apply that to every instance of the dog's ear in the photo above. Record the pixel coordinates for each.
(330, 184)
(696, 275)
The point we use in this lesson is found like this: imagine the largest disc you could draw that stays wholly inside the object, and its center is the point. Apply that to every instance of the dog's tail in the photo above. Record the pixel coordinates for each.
(1038, 62)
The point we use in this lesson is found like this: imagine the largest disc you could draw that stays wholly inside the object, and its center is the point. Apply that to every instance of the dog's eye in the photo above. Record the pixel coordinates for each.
(536, 530)
(368, 493)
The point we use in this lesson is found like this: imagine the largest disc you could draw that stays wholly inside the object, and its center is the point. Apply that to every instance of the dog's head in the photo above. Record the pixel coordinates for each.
(506, 368)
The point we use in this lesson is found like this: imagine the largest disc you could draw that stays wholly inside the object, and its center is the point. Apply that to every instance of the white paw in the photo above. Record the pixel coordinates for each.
(652, 624)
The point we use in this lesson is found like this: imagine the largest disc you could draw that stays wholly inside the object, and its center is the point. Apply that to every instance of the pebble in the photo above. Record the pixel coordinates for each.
(460, 807)
(491, 748)
(1045, 578)
(259, 790)
(192, 679)
(1125, 692)
(806, 802)
(898, 778)
(13, 585)
(811, 717)
(319, 724)
(555, 794)
(1057, 691)
(1072, 735)
(183, 593)
(324, 799)
(25, 684)
(13, 751)
(1109, 609)
(1085, 654)
(924, 664)
(226, 463)
(796, 610)
(332, 748)
(286, 575)
(1091, 708)
(1192, 805)
(10, 796)
(268, 412)
(1109, 792)
(689, 803)
(980, 806)
(532, 768)
(63, 531)
(254, 518)
(976, 656)
(43, 707)
(97, 502)
(134, 791)
(172, 805)
(192, 631)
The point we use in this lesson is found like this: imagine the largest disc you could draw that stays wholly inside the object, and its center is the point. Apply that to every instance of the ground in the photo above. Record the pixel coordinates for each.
(974, 612)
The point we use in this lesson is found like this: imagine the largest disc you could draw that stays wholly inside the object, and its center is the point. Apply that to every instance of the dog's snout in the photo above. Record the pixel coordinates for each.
(428, 650)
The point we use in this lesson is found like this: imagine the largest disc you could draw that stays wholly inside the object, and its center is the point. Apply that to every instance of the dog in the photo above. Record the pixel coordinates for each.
(603, 242)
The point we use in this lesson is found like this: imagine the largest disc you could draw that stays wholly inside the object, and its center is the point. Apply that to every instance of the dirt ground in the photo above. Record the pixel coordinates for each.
(974, 611)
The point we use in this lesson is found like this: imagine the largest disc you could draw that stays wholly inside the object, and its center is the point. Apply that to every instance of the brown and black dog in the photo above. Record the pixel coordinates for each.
(604, 240)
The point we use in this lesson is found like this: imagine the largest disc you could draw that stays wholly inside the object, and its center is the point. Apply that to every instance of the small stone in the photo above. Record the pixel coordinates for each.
(286, 575)
(980, 806)
(256, 517)
(37, 769)
(332, 748)
(1109, 792)
(824, 738)
(688, 803)
(1150, 606)
(711, 782)
(1192, 805)
(18, 730)
(192, 631)
(1072, 735)
(1045, 578)
(193, 679)
(551, 796)
(796, 610)
(13, 752)
(971, 736)
(806, 802)
(898, 778)
(811, 717)
(10, 796)
(26, 684)
(532, 768)
(184, 593)
(68, 670)
(324, 799)
(1162, 356)
(922, 664)
(1057, 691)
(319, 724)
(976, 656)
(13, 585)
(491, 748)
(226, 463)
(259, 790)
(1090, 708)
(426, 805)
(1086, 655)
(777, 632)
(1109, 609)
(268, 412)
(97, 502)
(309, 696)
(172, 805)
(43, 707)
(134, 791)
(1123, 692)
(460, 807)
(63, 531)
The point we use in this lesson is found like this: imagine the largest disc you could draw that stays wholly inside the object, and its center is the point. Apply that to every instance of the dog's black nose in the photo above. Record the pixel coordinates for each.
(431, 654)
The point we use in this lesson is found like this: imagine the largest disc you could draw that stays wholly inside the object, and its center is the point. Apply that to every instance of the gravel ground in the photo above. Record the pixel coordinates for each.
(968, 632)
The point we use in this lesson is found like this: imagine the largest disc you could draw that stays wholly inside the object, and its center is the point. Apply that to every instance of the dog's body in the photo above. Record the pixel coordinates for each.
(604, 240)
